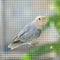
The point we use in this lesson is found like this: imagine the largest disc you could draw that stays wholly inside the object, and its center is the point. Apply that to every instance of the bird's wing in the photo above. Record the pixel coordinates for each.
(16, 41)
(24, 30)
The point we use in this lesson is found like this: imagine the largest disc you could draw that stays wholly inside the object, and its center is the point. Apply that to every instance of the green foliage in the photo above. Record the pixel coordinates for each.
(56, 48)
(40, 50)
(56, 20)
(57, 2)
(27, 57)
(36, 51)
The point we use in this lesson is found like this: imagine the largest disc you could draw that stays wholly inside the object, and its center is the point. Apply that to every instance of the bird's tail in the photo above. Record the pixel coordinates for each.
(16, 43)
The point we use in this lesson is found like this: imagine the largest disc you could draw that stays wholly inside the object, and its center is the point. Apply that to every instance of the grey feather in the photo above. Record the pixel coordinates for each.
(29, 33)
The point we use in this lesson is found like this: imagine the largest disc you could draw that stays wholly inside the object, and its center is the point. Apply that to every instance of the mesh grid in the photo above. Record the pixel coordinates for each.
(17, 14)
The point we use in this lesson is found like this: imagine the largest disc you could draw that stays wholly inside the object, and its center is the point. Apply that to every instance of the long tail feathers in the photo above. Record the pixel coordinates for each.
(16, 43)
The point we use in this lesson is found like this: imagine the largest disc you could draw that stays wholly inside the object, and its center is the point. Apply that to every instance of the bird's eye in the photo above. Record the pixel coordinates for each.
(39, 19)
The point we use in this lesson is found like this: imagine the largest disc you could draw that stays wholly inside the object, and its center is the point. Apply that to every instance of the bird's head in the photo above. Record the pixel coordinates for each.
(40, 21)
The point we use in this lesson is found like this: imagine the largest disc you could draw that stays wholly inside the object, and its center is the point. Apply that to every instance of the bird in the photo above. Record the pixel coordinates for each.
(29, 33)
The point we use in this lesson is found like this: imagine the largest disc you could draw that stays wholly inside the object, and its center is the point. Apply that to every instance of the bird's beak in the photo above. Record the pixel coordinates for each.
(44, 21)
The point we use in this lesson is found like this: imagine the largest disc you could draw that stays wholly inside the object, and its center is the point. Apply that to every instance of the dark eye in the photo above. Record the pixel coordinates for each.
(39, 19)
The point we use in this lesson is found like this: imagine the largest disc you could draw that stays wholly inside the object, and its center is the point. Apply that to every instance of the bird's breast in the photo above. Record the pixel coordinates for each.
(33, 33)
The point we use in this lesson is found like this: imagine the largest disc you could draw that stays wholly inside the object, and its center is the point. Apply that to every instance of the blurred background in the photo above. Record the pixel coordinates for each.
(16, 14)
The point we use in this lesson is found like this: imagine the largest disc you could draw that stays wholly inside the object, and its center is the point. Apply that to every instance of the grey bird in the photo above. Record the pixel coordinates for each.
(29, 33)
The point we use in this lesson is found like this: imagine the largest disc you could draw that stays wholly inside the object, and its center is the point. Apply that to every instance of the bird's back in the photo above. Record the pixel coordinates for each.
(32, 33)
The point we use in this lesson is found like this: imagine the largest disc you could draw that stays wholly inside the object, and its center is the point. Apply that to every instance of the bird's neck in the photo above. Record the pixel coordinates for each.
(37, 25)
